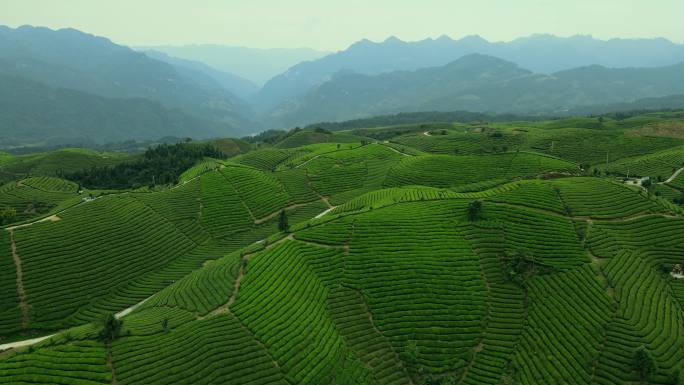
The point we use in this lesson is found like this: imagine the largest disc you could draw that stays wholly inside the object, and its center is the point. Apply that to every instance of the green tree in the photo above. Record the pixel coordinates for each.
(474, 210)
(7, 215)
(111, 328)
(282, 222)
(520, 266)
(410, 355)
(643, 363)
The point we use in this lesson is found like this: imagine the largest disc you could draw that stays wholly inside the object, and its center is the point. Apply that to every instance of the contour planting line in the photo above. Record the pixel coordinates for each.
(21, 293)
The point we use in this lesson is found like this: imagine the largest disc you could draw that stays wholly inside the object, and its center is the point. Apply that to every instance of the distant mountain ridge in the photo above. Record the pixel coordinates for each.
(477, 83)
(538, 53)
(147, 95)
(71, 59)
(237, 85)
(33, 113)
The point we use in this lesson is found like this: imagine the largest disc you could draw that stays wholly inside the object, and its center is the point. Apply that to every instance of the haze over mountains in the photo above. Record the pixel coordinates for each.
(535, 75)
(477, 83)
(256, 64)
(537, 53)
(69, 59)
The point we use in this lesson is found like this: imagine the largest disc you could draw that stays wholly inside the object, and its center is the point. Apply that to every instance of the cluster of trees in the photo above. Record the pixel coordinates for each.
(679, 200)
(645, 367)
(410, 355)
(7, 215)
(269, 136)
(520, 266)
(391, 132)
(110, 329)
(274, 136)
(130, 146)
(283, 224)
(422, 117)
(160, 165)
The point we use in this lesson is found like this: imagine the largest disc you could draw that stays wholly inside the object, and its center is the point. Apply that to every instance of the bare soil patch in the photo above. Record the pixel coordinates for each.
(667, 129)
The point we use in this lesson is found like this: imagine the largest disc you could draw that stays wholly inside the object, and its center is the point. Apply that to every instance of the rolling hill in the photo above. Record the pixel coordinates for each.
(452, 253)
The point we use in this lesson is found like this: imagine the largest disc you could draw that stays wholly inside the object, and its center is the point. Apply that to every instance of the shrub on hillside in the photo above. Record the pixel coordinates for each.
(110, 328)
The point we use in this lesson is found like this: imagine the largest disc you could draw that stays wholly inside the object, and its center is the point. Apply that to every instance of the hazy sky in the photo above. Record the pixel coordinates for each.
(334, 24)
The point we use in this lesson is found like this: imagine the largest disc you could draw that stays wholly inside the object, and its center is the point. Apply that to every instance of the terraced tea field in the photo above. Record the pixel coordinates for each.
(430, 259)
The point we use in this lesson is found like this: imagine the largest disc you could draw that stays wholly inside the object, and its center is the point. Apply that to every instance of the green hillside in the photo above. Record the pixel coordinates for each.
(55, 163)
(465, 253)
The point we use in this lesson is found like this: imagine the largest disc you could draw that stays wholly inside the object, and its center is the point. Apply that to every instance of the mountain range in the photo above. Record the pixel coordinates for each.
(537, 75)
(70, 59)
(33, 113)
(235, 84)
(477, 83)
(538, 53)
(255, 64)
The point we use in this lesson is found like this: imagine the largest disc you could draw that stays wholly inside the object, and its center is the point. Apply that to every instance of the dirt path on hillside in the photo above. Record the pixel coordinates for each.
(110, 364)
(292, 207)
(33, 341)
(371, 320)
(597, 261)
(673, 177)
(21, 344)
(243, 262)
(195, 177)
(322, 154)
(21, 293)
(51, 218)
(309, 160)
(326, 200)
(276, 213)
(331, 208)
(397, 151)
(610, 291)
(344, 247)
(130, 310)
(225, 308)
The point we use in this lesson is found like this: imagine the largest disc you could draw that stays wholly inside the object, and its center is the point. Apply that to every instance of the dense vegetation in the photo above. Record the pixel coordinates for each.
(452, 253)
(405, 118)
(161, 165)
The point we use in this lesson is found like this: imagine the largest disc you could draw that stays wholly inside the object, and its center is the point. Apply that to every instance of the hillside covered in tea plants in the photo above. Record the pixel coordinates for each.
(544, 252)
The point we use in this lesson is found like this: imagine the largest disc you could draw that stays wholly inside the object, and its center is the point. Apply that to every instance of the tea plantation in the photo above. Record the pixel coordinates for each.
(504, 253)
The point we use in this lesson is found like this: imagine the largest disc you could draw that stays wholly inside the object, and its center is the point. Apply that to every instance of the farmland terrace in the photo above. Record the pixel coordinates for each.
(475, 254)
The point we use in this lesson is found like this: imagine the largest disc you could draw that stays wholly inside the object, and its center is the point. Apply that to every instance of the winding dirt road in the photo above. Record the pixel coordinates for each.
(33, 341)
(676, 173)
